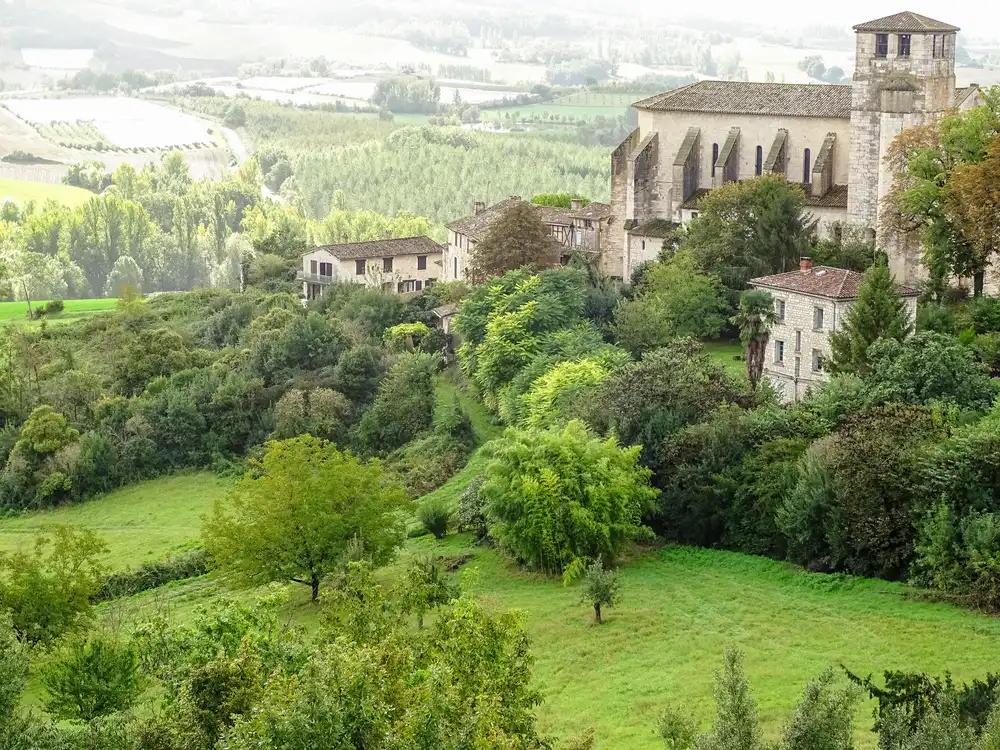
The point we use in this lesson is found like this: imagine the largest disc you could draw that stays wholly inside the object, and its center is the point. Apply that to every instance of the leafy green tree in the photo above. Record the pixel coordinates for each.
(558, 498)
(601, 588)
(14, 667)
(518, 239)
(92, 678)
(928, 368)
(755, 318)
(296, 511)
(435, 517)
(425, 587)
(879, 312)
(564, 393)
(824, 718)
(736, 724)
(47, 591)
(403, 406)
(750, 228)
(675, 299)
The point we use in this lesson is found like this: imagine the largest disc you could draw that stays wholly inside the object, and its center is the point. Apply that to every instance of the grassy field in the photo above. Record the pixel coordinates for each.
(724, 353)
(141, 523)
(22, 192)
(75, 310)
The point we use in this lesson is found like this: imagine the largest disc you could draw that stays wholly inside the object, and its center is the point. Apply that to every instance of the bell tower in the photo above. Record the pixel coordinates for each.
(904, 76)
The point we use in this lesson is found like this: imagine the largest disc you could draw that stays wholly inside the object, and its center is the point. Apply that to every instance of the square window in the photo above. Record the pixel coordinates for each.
(817, 318)
(779, 351)
(780, 309)
(326, 269)
(421, 262)
(359, 267)
(904, 45)
(881, 45)
(818, 360)
(387, 265)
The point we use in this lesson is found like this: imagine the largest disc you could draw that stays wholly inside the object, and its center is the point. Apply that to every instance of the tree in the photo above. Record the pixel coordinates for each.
(601, 588)
(557, 499)
(879, 312)
(92, 678)
(750, 228)
(824, 718)
(424, 588)
(518, 239)
(403, 406)
(755, 318)
(47, 591)
(297, 510)
(736, 724)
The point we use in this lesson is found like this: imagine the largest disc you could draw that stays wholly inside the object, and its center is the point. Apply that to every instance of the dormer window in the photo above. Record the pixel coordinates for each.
(904, 45)
(881, 45)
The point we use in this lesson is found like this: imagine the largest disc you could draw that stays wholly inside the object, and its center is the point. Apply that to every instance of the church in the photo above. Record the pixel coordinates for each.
(831, 139)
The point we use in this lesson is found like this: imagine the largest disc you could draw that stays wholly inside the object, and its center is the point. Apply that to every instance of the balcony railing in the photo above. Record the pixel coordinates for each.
(315, 278)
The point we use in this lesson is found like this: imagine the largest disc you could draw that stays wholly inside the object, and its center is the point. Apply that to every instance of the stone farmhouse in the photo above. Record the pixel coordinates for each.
(831, 139)
(409, 264)
(578, 228)
(811, 303)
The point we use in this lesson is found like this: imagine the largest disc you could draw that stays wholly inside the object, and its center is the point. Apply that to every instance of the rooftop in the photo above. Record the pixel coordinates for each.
(659, 228)
(382, 248)
(477, 225)
(821, 281)
(835, 197)
(905, 21)
(746, 98)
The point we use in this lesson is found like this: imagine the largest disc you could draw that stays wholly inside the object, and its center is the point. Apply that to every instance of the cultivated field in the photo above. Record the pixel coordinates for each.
(21, 192)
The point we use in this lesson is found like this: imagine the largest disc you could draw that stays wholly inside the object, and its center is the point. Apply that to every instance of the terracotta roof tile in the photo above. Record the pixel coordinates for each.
(478, 225)
(905, 21)
(382, 248)
(746, 98)
(821, 281)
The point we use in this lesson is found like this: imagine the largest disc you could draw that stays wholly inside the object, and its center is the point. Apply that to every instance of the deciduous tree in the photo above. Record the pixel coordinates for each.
(518, 239)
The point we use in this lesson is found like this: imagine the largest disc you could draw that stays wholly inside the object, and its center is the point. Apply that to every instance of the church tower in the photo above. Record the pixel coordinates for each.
(904, 76)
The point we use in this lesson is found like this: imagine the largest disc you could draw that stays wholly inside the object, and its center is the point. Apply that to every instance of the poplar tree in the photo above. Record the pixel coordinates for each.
(879, 312)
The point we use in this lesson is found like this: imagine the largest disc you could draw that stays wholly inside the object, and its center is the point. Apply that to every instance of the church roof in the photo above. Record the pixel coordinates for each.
(746, 98)
(821, 281)
(835, 197)
(905, 21)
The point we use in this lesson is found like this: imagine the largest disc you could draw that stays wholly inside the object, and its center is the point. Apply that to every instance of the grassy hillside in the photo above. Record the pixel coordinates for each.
(22, 192)
(75, 310)
(144, 522)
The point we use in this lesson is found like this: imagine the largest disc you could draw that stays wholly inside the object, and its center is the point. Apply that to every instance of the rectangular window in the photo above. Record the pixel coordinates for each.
(807, 166)
(798, 342)
(420, 285)
(359, 267)
(817, 318)
(421, 262)
(904, 45)
(456, 268)
(881, 45)
(779, 351)
(577, 237)
(312, 266)
(818, 360)
(780, 305)
(387, 265)
(715, 156)
(326, 269)
(588, 224)
(759, 167)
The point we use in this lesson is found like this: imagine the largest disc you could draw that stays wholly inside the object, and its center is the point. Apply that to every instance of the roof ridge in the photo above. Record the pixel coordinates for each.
(371, 242)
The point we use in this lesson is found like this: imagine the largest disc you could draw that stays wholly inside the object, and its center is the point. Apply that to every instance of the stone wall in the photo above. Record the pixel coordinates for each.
(615, 240)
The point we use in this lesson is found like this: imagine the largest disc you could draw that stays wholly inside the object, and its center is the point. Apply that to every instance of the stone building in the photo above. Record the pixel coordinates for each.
(408, 264)
(831, 139)
(811, 304)
(578, 229)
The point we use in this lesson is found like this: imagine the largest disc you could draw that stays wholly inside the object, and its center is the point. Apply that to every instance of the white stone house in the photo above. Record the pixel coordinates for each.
(811, 304)
(830, 139)
(405, 265)
(578, 229)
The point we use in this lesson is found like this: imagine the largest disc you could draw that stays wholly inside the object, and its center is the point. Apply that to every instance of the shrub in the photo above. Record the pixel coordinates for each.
(151, 575)
(601, 588)
(435, 516)
(427, 463)
(677, 729)
(403, 407)
(824, 718)
(93, 678)
(54, 307)
(472, 511)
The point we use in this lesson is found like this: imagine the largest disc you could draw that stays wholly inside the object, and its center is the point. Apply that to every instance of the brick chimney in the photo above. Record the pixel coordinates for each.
(478, 207)
(805, 264)
(575, 204)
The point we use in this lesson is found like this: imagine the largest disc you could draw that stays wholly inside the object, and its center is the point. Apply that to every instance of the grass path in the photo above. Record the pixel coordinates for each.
(140, 523)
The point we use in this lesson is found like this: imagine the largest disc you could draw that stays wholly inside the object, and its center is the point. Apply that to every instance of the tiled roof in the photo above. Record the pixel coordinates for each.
(821, 281)
(659, 228)
(695, 198)
(478, 225)
(745, 98)
(905, 21)
(593, 210)
(382, 248)
(961, 94)
(836, 197)
(446, 311)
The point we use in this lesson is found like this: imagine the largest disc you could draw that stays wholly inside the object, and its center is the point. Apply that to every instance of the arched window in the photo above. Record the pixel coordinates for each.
(715, 156)
(806, 167)
(760, 160)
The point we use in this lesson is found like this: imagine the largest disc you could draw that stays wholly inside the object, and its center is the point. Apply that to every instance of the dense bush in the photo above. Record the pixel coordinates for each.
(403, 406)
(151, 575)
(435, 517)
(426, 463)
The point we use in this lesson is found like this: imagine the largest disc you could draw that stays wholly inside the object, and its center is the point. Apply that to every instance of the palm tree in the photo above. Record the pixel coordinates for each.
(755, 318)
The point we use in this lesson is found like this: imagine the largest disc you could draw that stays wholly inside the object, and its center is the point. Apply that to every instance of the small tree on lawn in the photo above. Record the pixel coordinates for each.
(880, 312)
(601, 588)
(736, 725)
(517, 239)
(755, 318)
(298, 511)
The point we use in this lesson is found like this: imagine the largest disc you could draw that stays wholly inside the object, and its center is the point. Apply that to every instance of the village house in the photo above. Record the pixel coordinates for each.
(578, 228)
(811, 304)
(830, 139)
(408, 264)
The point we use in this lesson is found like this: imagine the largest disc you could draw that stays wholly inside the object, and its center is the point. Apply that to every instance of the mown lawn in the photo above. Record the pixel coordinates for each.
(725, 353)
(22, 191)
(141, 523)
(75, 309)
